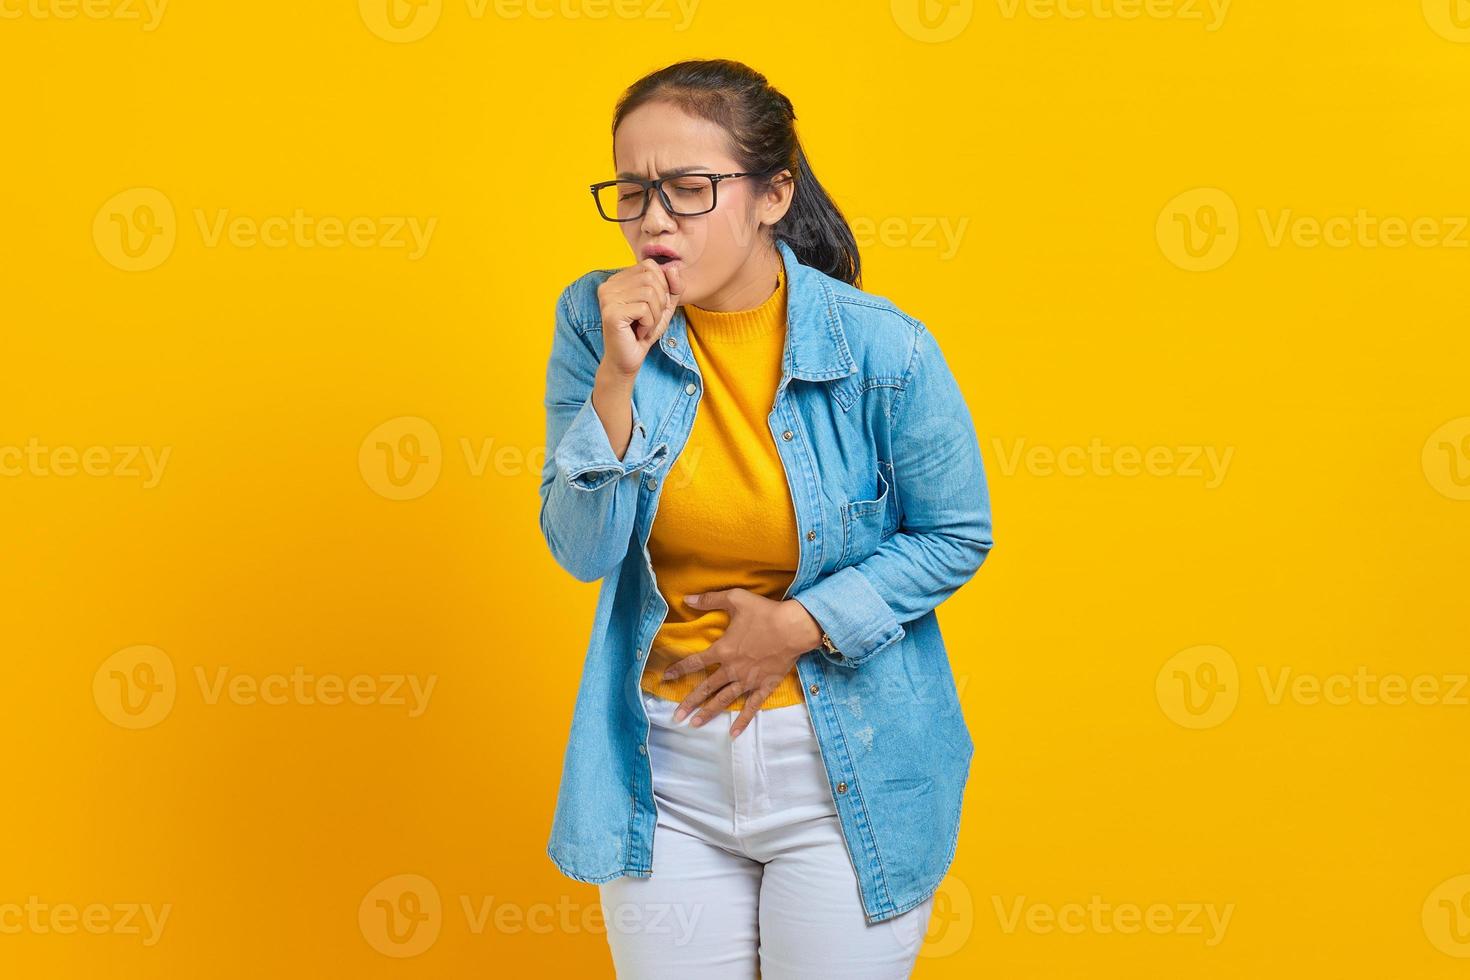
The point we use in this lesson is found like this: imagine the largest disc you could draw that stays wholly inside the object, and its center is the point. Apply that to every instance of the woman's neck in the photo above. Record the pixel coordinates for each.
(751, 287)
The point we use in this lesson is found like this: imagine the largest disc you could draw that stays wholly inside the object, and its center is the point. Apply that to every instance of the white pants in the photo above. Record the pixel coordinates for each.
(749, 867)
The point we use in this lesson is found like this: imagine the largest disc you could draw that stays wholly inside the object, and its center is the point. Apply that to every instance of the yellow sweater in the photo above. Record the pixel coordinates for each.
(725, 518)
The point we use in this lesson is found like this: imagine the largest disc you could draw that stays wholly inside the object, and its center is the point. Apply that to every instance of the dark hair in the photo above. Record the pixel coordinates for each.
(761, 124)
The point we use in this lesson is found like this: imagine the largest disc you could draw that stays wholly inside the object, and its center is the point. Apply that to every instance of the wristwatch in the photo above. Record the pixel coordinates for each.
(828, 645)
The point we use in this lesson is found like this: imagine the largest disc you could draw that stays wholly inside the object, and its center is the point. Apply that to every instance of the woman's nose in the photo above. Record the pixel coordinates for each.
(657, 218)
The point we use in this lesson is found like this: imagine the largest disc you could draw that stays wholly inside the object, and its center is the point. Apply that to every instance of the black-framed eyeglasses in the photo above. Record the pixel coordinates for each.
(682, 194)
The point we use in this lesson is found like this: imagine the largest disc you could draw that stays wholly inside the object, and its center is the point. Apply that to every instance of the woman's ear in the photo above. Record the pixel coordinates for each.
(776, 201)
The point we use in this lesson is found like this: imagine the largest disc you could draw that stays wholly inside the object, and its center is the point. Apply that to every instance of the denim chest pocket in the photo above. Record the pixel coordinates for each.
(865, 523)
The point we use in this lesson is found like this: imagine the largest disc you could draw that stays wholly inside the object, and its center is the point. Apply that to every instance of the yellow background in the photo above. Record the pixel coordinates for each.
(1053, 149)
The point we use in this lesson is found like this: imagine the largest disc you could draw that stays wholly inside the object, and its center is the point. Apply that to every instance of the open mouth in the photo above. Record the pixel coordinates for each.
(663, 259)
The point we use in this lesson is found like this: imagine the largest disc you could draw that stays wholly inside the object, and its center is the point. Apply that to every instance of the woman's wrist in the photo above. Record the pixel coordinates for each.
(612, 400)
(805, 631)
(609, 378)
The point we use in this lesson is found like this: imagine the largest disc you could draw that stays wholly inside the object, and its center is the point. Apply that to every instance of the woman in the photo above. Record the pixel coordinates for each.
(777, 479)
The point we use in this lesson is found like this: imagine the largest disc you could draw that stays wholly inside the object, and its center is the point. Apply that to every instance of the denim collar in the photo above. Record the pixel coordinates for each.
(815, 347)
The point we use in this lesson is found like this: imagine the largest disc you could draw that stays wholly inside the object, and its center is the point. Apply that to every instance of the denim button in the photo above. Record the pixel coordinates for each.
(650, 483)
(690, 389)
(814, 689)
(786, 435)
(811, 535)
(842, 787)
(642, 749)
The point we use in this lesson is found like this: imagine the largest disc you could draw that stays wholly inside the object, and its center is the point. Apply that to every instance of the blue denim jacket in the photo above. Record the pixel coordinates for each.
(891, 502)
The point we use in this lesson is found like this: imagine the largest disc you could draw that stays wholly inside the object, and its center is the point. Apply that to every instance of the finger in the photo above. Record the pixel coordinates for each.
(669, 306)
(685, 665)
(658, 282)
(640, 317)
(701, 693)
(753, 702)
(663, 324)
(648, 293)
(639, 307)
(648, 275)
(674, 275)
(625, 311)
(722, 700)
(718, 599)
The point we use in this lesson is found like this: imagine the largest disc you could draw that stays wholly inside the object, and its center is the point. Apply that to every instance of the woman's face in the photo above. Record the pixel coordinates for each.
(713, 249)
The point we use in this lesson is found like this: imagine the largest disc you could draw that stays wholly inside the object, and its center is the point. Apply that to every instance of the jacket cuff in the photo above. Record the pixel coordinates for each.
(857, 619)
(586, 456)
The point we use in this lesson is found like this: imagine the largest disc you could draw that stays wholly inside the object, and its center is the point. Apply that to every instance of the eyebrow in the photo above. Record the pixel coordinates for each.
(675, 172)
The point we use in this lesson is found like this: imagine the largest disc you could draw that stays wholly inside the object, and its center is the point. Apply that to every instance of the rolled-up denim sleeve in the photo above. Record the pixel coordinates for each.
(588, 504)
(945, 531)
(585, 455)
